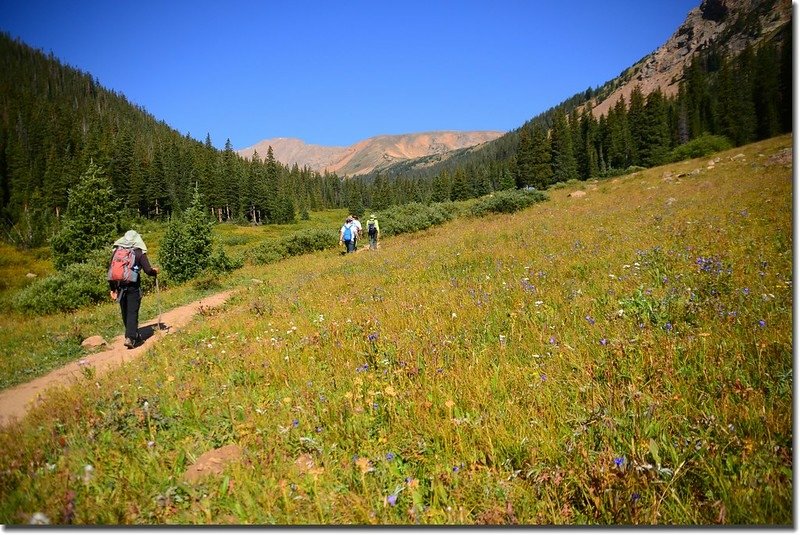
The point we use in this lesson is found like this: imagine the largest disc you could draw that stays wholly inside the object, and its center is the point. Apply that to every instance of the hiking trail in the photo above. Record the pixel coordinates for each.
(17, 400)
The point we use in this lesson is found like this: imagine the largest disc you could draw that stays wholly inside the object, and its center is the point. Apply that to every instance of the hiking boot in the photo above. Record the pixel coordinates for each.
(129, 343)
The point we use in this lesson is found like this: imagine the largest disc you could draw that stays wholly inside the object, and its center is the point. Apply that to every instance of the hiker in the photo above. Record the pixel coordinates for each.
(127, 260)
(347, 234)
(373, 231)
(357, 224)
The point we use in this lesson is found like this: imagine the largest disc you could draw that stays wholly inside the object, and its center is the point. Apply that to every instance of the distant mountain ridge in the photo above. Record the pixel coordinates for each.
(369, 155)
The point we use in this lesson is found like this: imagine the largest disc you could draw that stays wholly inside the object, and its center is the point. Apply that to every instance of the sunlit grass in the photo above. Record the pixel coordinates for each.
(621, 358)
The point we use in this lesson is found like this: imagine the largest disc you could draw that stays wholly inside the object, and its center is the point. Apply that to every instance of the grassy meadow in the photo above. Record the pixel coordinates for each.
(619, 358)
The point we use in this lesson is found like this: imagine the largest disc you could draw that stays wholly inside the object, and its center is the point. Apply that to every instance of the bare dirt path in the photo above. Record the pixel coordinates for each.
(15, 401)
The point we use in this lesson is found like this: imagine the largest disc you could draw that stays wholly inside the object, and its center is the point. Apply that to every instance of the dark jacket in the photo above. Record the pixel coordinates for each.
(144, 265)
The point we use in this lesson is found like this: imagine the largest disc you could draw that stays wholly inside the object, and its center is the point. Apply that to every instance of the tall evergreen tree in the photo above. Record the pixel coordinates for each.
(91, 222)
(563, 156)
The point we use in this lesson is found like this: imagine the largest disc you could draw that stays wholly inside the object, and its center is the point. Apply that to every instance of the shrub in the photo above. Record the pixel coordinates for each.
(698, 147)
(507, 201)
(301, 242)
(75, 286)
(413, 217)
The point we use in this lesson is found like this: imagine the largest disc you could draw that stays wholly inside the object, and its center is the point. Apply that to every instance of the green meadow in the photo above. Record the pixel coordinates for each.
(622, 357)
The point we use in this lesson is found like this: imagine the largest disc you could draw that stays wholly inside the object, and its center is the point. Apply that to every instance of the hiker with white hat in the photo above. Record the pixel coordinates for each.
(127, 260)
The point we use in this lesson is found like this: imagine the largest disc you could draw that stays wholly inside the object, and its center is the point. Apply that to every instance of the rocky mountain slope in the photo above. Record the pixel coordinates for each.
(729, 24)
(369, 155)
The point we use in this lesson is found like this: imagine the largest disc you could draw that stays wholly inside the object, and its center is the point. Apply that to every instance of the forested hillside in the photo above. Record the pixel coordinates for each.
(55, 120)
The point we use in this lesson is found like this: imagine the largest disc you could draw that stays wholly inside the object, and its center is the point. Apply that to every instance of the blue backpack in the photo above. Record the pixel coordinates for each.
(348, 234)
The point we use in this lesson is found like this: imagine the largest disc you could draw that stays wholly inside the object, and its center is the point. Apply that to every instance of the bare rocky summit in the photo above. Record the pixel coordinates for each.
(369, 155)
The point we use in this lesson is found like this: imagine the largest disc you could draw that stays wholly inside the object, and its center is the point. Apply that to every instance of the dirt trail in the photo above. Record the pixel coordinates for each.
(15, 401)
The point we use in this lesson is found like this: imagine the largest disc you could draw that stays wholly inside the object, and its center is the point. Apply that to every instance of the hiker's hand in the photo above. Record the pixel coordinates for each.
(113, 295)
(156, 270)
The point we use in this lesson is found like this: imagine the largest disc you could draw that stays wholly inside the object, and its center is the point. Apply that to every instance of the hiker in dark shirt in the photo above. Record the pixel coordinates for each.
(128, 292)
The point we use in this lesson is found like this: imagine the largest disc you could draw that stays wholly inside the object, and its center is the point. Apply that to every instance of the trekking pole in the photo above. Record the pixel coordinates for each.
(158, 303)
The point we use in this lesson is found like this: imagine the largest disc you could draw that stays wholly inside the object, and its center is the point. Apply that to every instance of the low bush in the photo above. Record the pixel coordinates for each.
(301, 242)
(414, 216)
(75, 286)
(698, 147)
(507, 201)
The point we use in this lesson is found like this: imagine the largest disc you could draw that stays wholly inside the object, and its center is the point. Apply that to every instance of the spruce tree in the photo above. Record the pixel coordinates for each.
(186, 248)
(91, 222)
(563, 156)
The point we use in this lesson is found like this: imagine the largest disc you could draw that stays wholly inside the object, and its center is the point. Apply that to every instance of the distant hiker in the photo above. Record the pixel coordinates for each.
(127, 260)
(373, 231)
(357, 224)
(347, 234)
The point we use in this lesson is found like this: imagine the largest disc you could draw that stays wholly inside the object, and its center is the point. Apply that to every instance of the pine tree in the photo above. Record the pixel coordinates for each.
(541, 161)
(636, 124)
(91, 221)
(655, 130)
(186, 247)
(563, 156)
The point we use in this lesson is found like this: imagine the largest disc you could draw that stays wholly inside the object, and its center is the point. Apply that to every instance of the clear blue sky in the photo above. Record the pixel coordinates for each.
(333, 73)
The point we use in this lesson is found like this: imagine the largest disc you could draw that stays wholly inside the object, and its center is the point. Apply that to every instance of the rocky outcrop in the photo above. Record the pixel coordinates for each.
(729, 24)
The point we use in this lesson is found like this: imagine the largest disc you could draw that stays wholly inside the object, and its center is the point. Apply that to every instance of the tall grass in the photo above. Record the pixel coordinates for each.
(621, 358)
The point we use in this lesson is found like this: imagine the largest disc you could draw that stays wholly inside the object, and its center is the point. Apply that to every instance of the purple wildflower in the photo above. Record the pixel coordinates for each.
(455, 469)
(762, 323)
(392, 499)
(603, 342)
(543, 377)
(295, 422)
(635, 497)
(389, 456)
(372, 337)
(619, 461)
(668, 327)
(363, 368)
(553, 340)
(590, 320)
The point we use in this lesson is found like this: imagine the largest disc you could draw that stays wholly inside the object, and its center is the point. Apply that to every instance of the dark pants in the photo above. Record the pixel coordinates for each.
(129, 302)
(350, 245)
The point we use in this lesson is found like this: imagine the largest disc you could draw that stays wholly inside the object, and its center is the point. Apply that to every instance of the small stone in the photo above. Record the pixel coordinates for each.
(94, 341)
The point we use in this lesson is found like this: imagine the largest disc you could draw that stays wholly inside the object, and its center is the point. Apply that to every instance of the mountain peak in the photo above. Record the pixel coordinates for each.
(369, 155)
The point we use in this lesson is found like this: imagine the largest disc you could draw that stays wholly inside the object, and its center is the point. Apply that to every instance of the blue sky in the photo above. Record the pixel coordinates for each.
(334, 73)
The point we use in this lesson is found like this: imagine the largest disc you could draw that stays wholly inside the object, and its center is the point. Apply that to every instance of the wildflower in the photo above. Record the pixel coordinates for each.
(372, 337)
(746, 291)
(635, 497)
(295, 422)
(590, 320)
(543, 377)
(603, 342)
(39, 519)
(319, 429)
(151, 444)
(619, 461)
(762, 323)
(88, 472)
(392, 499)
(668, 327)
(455, 469)
(389, 456)
(364, 465)
(553, 340)
(502, 340)
(363, 368)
